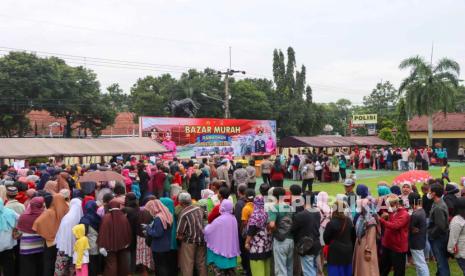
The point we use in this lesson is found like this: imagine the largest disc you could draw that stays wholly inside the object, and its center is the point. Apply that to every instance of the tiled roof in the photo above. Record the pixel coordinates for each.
(124, 124)
(331, 141)
(450, 122)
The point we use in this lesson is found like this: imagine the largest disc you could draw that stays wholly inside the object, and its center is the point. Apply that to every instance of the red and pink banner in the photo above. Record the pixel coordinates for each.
(187, 137)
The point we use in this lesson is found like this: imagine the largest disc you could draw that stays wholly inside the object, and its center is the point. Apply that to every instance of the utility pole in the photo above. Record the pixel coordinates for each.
(227, 73)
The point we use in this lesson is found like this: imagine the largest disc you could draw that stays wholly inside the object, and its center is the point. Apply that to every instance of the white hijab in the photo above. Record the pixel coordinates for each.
(64, 238)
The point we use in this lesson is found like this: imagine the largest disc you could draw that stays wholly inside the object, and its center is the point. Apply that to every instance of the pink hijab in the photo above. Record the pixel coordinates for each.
(157, 209)
(127, 179)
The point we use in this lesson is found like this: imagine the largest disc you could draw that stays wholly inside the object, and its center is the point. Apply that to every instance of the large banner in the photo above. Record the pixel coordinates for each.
(187, 137)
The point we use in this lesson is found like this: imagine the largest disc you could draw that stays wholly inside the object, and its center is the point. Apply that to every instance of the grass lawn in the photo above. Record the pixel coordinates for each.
(371, 178)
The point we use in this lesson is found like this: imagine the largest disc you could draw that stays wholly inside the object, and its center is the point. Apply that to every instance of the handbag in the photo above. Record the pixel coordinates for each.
(326, 247)
(304, 245)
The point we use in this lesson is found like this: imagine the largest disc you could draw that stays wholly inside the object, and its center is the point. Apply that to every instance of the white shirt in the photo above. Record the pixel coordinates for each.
(318, 166)
(85, 257)
(405, 156)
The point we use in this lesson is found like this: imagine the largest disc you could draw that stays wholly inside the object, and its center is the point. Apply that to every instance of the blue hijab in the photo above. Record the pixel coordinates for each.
(8, 218)
(91, 218)
(169, 203)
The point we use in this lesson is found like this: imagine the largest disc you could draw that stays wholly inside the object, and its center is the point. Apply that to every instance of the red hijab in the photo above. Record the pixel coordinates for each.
(33, 211)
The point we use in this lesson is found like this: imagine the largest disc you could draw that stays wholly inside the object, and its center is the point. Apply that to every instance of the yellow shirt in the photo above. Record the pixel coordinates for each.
(247, 211)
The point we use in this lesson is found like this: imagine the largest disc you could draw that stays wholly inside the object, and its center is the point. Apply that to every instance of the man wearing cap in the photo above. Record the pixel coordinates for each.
(351, 197)
(11, 193)
(223, 172)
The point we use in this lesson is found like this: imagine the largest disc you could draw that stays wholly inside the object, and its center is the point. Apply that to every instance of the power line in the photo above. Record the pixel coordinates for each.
(146, 66)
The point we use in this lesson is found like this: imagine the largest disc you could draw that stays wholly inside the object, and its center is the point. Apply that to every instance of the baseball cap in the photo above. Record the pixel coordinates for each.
(349, 182)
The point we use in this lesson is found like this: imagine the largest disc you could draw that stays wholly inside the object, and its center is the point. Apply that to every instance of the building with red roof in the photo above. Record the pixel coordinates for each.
(448, 130)
(45, 125)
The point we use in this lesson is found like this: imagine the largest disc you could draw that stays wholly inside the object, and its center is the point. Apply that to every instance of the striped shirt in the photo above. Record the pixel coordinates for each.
(190, 225)
(31, 244)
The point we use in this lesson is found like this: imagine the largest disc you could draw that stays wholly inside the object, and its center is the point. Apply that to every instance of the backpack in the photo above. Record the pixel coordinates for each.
(284, 228)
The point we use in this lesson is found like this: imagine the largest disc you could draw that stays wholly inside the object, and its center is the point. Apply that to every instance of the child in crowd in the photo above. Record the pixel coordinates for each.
(81, 250)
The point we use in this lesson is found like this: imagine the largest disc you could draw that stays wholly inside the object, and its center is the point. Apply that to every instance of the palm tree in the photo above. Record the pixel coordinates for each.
(429, 89)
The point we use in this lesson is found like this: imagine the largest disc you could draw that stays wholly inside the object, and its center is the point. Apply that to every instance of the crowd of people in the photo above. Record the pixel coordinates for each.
(333, 167)
(193, 217)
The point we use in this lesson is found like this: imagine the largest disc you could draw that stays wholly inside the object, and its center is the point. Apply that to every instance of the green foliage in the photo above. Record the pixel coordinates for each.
(249, 102)
(382, 99)
(430, 88)
(291, 101)
(402, 135)
(28, 82)
(386, 134)
(118, 100)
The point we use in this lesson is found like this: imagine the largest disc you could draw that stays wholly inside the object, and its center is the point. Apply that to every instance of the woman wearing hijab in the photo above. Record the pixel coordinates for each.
(365, 260)
(221, 237)
(169, 203)
(51, 187)
(65, 239)
(325, 217)
(8, 219)
(160, 231)
(259, 241)
(114, 238)
(127, 179)
(62, 181)
(339, 236)
(31, 246)
(30, 193)
(144, 256)
(91, 221)
(131, 210)
(194, 182)
(46, 225)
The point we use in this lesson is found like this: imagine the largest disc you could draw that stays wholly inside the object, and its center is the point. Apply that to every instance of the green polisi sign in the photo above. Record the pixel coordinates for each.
(364, 119)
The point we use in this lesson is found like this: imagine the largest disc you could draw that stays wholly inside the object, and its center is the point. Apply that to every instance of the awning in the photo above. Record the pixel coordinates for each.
(331, 141)
(22, 148)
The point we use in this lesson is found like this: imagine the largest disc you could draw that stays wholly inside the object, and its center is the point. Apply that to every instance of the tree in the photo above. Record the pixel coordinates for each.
(149, 95)
(194, 84)
(382, 100)
(248, 101)
(460, 99)
(402, 137)
(288, 100)
(386, 135)
(429, 89)
(119, 101)
(23, 79)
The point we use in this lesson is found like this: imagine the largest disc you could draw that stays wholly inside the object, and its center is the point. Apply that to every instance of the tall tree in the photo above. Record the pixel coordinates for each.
(429, 88)
(119, 101)
(288, 100)
(382, 100)
(248, 101)
(23, 79)
(402, 137)
(78, 99)
(149, 95)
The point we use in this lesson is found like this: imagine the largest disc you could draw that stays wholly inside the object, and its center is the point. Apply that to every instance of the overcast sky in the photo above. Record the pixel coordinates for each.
(347, 46)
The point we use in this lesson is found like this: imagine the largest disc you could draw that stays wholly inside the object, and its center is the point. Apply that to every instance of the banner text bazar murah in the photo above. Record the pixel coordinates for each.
(187, 137)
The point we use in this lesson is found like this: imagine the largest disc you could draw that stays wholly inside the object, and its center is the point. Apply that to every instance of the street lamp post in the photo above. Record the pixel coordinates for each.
(226, 74)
